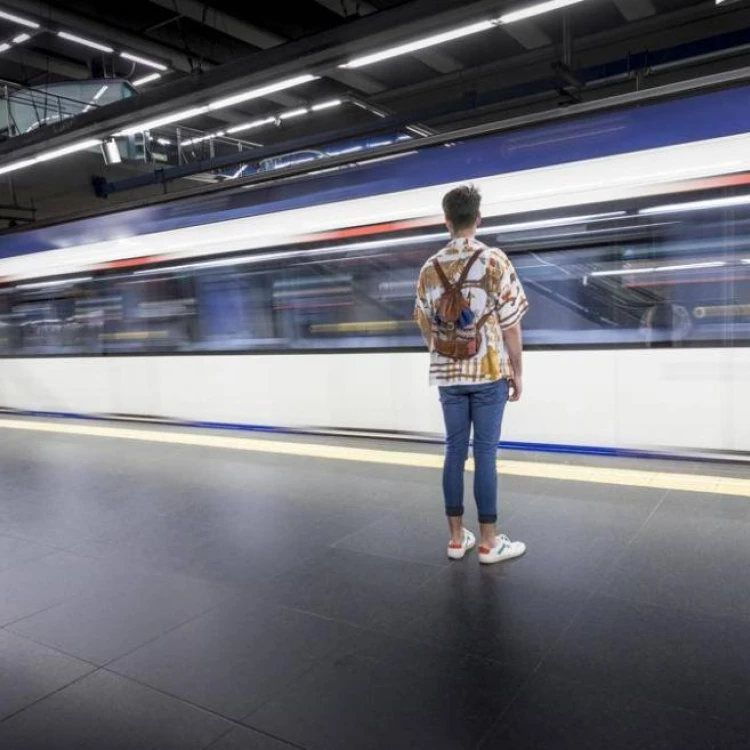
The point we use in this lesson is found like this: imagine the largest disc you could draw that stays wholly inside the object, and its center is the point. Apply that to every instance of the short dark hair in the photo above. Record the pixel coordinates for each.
(461, 206)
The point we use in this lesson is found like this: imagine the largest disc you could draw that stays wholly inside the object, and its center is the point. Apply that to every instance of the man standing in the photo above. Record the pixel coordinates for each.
(469, 308)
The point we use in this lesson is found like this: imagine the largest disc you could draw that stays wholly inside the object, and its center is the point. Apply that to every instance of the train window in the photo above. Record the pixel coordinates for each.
(611, 276)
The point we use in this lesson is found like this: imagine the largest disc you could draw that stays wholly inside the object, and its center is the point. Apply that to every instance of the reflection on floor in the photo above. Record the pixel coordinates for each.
(181, 595)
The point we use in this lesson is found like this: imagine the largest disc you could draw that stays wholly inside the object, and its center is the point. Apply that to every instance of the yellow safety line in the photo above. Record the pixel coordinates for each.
(532, 469)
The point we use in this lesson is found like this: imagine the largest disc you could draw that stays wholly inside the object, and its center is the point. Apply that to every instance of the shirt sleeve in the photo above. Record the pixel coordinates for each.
(422, 310)
(511, 302)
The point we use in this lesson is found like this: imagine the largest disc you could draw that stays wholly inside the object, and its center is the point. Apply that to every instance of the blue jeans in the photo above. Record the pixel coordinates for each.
(482, 406)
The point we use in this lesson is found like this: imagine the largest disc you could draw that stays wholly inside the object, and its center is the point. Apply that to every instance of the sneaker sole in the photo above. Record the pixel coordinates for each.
(484, 561)
(459, 554)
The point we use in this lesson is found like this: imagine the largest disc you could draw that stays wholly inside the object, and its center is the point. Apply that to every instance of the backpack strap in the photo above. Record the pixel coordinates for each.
(464, 273)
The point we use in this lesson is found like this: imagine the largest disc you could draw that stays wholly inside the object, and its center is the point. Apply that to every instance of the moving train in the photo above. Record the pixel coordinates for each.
(288, 304)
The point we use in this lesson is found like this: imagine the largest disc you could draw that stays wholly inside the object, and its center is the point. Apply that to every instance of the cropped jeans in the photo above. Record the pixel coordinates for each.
(481, 406)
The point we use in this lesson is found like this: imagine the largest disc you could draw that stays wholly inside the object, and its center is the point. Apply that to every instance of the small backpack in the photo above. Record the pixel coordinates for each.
(455, 332)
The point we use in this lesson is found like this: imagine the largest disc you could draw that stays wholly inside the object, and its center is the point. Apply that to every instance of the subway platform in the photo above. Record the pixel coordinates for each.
(180, 589)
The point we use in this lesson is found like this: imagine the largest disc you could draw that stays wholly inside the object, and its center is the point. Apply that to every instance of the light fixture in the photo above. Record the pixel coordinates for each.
(16, 165)
(4, 47)
(111, 152)
(96, 98)
(184, 114)
(84, 42)
(65, 150)
(18, 20)
(535, 10)
(49, 155)
(261, 91)
(326, 105)
(292, 113)
(423, 43)
(143, 61)
(146, 79)
(251, 125)
(737, 200)
(21, 38)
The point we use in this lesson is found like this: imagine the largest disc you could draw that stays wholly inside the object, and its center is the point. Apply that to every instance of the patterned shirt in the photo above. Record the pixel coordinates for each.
(492, 286)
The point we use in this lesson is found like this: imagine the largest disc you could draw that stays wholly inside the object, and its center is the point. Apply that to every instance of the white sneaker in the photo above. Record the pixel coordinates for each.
(503, 550)
(458, 551)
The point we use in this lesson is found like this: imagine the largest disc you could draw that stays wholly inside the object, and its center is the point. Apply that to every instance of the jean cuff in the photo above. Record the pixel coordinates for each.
(488, 519)
(454, 512)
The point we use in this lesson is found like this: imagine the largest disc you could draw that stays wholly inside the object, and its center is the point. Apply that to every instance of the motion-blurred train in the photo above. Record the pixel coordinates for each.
(288, 304)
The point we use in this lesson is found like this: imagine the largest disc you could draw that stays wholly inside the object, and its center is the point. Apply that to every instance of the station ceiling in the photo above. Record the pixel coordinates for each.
(181, 55)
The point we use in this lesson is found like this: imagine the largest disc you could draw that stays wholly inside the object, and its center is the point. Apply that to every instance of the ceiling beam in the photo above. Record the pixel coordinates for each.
(259, 38)
(632, 10)
(48, 14)
(38, 61)
(528, 35)
(223, 22)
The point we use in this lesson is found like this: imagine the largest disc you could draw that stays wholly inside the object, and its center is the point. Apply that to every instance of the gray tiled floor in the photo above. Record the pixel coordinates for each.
(179, 597)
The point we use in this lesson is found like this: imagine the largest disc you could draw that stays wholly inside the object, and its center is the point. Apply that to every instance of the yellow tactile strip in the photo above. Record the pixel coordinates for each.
(532, 469)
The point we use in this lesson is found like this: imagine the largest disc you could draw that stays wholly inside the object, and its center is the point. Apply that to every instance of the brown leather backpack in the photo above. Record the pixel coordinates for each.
(456, 333)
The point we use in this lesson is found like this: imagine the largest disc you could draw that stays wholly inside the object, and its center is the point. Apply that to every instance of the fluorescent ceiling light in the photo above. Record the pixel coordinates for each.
(18, 20)
(659, 269)
(72, 149)
(184, 114)
(4, 47)
(737, 200)
(143, 61)
(84, 42)
(423, 43)
(261, 91)
(326, 105)
(21, 38)
(49, 155)
(251, 125)
(164, 141)
(17, 165)
(293, 113)
(146, 79)
(535, 10)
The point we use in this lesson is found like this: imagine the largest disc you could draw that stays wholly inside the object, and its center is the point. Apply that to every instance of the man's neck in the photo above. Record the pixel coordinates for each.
(465, 234)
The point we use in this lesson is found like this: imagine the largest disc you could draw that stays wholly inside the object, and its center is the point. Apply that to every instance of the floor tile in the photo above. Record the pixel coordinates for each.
(107, 711)
(14, 551)
(109, 624)
(247, 739)
(365, 590)
(29, 672)
(486, 611)
(234, 658)
(31, 587)
(677, 658)
(692, 555)
(560, 715)
(378, 692)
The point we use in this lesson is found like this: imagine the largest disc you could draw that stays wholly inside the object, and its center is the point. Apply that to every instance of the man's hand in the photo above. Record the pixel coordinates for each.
(516, 389)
